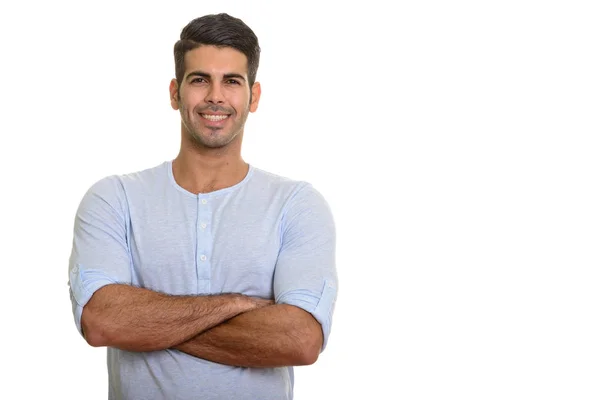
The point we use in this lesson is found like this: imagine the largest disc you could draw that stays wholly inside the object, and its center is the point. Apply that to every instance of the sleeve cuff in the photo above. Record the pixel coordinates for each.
(82, 285)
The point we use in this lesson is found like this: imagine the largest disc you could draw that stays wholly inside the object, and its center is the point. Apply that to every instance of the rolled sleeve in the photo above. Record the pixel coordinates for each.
(305, 272)
(100, 254)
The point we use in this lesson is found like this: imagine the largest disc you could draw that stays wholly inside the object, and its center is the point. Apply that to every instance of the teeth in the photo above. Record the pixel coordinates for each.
(214, 117)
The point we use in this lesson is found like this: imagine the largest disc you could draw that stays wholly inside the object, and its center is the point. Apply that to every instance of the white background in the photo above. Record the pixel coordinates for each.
(456, 142)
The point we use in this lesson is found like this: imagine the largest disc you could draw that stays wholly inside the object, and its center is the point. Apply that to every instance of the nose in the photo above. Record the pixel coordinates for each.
(214, 95)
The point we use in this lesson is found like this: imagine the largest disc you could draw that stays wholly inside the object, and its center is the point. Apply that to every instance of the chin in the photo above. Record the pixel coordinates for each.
(213, 143)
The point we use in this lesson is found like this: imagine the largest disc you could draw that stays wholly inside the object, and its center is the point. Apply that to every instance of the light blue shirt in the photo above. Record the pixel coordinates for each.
(267, 236)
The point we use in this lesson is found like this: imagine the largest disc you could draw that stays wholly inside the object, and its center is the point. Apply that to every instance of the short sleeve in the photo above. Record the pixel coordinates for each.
(305, 272)
(100, 254)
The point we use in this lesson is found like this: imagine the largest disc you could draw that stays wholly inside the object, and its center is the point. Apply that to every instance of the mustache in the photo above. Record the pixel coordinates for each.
(215, 109)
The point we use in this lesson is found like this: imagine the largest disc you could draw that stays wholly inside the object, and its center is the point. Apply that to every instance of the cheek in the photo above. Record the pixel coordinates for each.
(237, 98)
(190, 99)
(241, 103)
(187, 106)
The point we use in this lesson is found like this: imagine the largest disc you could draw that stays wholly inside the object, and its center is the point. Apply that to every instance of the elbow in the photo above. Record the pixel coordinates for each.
(308, 358)
(100, 331)
(310, 348)
(93, 329)
(93, 339)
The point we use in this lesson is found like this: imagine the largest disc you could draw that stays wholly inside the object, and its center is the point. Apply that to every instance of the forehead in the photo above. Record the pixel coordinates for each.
(216, 61)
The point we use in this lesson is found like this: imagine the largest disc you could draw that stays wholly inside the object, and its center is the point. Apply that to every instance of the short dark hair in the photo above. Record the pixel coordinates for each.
(221, 30)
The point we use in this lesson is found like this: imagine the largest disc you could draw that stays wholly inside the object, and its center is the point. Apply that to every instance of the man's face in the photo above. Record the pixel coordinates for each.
(214, 95)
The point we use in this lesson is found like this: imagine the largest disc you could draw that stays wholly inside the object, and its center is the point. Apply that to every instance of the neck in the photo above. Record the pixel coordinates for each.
(206, 170)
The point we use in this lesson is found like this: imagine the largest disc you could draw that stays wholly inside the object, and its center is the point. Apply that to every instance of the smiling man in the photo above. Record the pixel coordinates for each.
(214, 95)
(205, 277)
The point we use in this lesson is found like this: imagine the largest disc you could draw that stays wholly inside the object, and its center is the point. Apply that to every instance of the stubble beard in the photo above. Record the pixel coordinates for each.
(207, 137)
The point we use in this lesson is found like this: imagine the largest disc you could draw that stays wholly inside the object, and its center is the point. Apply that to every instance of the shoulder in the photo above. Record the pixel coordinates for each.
(274, 180)
(292, 188)
(301, 200)
(148, 177)
(113, 189)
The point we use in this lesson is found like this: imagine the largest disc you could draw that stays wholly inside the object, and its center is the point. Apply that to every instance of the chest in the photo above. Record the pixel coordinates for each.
(203, 248)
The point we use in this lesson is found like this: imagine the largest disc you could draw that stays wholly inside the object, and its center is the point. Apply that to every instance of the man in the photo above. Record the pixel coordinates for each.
(205, 277)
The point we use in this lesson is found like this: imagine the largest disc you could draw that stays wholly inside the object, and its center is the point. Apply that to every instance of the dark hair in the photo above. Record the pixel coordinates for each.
(221, 30)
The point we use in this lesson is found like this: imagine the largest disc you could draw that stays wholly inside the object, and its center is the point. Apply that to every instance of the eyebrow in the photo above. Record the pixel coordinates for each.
(205, 75)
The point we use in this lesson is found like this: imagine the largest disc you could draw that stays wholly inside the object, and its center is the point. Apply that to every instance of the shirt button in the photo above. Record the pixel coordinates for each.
(204, 201)
(74, 269)
(203, 257)
(203, 225)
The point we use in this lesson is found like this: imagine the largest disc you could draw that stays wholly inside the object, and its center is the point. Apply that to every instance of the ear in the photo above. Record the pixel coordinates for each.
(173, 87)
(255, 92)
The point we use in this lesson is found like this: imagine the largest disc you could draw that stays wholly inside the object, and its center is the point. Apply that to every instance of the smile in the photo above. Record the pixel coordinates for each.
(212, 117)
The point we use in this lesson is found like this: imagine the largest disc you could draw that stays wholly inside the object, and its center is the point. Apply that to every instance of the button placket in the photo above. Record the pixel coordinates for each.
(203, 245)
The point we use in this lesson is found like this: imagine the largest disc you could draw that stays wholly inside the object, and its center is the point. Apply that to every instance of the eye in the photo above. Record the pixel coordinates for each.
(198, 80)
(233, 82)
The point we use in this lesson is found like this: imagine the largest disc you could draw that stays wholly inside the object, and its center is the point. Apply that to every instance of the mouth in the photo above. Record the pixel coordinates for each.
(215, 117)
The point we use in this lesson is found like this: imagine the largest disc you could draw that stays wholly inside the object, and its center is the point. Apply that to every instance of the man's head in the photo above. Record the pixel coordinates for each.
(216, 60)
(220, 30)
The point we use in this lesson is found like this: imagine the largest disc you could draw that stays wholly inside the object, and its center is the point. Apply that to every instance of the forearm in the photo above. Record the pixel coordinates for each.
(273, 336)
(137, 319)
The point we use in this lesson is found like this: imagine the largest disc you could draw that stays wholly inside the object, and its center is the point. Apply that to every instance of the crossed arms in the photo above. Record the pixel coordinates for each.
(230, 329)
